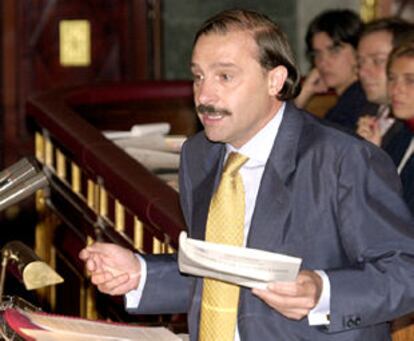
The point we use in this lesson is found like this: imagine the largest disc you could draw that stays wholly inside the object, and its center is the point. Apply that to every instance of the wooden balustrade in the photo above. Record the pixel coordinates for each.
(97, 191)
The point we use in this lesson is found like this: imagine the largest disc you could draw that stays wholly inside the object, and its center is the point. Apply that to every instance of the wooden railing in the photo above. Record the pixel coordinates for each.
(97, 191)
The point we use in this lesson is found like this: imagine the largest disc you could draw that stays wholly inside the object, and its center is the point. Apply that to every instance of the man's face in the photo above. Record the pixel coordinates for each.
(234, 96)
(373, 51)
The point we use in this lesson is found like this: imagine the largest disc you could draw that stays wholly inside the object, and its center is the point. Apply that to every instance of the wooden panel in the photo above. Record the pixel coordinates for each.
(120, 51)
(321, 103)
(403, 328)
(109, 45)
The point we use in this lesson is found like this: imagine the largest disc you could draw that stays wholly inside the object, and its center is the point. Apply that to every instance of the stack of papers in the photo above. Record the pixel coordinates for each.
(150, 145)
(45, 327)
(139, 130)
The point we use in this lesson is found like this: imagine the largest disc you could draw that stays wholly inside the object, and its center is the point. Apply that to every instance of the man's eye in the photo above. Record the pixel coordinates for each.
(379, 61)
(225, 77)
(197, 78)
(391, 78)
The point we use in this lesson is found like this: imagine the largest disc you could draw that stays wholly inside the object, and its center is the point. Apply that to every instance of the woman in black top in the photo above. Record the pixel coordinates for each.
(331, 42)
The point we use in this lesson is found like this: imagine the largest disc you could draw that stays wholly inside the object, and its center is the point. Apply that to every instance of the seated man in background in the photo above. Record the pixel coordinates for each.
(293, 186)
(331, 42)
(400, 71)
(375, 44)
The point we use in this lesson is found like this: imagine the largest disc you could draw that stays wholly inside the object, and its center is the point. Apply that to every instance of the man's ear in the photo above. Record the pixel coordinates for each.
(277, 77)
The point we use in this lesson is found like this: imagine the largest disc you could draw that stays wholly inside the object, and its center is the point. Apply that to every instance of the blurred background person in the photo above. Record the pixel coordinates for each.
(331, 41)
(377, 40)
(400, 88)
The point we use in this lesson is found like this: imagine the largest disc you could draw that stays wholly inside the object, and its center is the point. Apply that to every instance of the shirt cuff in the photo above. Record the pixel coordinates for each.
(133, 297)
(319, 315)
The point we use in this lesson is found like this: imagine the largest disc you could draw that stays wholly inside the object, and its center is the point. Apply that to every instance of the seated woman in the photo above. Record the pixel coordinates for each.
(400, 74)
(331, 41)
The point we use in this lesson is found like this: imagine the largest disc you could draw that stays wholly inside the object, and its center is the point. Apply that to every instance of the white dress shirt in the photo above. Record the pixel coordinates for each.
(384, 119)
(408, 152)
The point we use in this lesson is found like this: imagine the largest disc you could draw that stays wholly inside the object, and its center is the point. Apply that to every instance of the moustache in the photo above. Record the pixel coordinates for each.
(210, 109)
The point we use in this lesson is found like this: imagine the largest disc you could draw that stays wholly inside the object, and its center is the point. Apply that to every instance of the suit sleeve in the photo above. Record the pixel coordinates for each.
(377, 233)
(166, 291)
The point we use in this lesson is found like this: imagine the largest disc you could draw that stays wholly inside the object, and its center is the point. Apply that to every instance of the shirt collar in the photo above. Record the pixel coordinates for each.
(258, 148)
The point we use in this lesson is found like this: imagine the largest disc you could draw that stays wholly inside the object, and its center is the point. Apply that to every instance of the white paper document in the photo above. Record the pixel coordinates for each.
(239, 265)
(153, 159)
(69, 328)
(165, 143)
(136, 130)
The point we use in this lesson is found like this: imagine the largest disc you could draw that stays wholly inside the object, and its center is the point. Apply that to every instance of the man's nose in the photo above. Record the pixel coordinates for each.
(206, 93)
(364, 70)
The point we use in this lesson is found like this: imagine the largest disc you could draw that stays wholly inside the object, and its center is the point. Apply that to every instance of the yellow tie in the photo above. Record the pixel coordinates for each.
(225, 225)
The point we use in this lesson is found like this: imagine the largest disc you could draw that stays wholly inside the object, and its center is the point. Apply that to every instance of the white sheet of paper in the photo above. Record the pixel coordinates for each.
(46, 335)
(165, 143)
(161, 128)
(153, 159)
(239, 265)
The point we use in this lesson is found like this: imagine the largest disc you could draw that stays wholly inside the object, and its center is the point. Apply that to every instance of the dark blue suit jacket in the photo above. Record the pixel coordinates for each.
(325, 196)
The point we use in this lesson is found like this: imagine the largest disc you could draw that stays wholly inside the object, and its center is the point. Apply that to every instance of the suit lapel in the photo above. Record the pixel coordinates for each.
(212, 166)
(273, 205)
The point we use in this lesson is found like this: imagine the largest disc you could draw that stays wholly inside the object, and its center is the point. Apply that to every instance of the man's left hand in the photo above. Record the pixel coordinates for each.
(293, 299)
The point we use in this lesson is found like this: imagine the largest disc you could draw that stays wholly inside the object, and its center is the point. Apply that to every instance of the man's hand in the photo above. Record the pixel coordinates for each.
(368, 128)
(114, 269)
(293, 299)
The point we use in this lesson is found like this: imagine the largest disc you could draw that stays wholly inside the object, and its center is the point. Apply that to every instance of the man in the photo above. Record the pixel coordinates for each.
(375, 44)
(310, 191)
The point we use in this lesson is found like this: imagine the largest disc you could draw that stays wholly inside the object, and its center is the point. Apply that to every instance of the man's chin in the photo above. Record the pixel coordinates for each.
(213, 137)
(375, 98)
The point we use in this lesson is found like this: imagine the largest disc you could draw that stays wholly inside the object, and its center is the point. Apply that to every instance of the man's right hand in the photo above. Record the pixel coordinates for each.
(114, 269)
(368, 128)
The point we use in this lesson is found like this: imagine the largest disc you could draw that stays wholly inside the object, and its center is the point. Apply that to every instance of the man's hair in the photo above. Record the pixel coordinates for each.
(341, 25)
(400, 29)
(272, 43)
(404, 50)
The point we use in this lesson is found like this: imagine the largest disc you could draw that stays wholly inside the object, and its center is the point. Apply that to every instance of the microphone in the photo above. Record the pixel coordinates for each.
(22, 190)
(16, 173)
(20, 180)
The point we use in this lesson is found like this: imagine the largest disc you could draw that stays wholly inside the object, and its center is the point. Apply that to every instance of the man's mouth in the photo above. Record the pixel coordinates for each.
(368, 85)
(213, 116)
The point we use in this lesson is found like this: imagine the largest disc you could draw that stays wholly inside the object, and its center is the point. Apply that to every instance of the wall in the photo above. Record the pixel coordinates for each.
(181, 19)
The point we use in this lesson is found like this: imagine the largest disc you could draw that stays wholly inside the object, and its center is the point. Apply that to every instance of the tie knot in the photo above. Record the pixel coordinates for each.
(234, 162)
